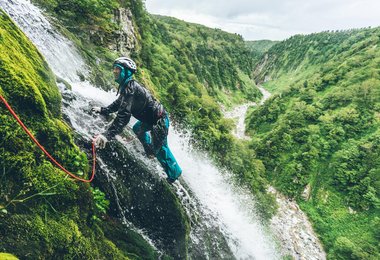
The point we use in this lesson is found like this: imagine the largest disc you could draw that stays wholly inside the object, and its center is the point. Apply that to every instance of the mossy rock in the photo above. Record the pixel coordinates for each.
(53, 236)
(6, 256)
(128, 241)
(28, 85)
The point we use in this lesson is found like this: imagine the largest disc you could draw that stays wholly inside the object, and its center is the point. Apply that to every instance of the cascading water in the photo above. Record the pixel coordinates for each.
(33, 23)
(232, 208)
(215, 200)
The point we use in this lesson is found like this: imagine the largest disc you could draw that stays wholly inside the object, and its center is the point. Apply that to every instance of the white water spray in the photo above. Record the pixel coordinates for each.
(232, 208)
(60, 53)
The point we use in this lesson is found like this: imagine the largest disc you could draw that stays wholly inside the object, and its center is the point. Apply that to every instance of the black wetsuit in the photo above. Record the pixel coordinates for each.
(134, 100)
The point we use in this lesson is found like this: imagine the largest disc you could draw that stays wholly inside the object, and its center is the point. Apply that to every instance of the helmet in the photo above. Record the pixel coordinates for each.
(126, 63)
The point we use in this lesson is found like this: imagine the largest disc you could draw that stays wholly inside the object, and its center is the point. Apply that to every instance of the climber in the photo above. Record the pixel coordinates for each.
(153, 125)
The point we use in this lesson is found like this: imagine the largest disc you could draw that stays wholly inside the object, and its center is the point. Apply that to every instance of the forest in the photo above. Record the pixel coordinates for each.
(320, 131)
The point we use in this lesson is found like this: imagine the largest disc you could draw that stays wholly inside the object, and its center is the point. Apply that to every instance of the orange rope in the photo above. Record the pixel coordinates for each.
(45, 152)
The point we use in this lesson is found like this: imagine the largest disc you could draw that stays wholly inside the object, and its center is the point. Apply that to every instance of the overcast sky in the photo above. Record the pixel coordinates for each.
(272, 19)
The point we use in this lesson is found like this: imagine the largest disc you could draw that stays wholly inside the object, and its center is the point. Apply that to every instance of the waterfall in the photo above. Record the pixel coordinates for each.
(232, 207)
(221, 204)
(60, 53)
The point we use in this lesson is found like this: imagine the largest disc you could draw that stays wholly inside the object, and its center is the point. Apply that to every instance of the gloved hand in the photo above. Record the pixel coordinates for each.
(96, 110)
(100, 141)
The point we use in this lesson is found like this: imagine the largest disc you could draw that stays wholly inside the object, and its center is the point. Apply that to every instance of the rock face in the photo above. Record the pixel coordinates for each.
(306, 193)
(258, 71)
(143, 200)
(124, 39)
(294, 231)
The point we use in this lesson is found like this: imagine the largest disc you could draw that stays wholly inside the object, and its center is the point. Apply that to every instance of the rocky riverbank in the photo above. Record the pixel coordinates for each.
(292, 228)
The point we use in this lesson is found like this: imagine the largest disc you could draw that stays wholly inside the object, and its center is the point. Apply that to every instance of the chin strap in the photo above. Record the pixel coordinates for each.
(122, 75)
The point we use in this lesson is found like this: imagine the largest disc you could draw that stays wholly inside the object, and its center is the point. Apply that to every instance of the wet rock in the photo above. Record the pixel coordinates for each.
(292, 228)
(124, 39)
(141, 199)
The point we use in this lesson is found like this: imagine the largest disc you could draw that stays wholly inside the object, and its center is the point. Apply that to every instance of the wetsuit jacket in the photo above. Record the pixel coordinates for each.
(134, 100)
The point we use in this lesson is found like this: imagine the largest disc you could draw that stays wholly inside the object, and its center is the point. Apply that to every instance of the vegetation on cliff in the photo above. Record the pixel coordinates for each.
(44, 214)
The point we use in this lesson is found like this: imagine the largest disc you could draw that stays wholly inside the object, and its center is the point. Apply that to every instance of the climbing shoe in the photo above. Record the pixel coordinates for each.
(170, 180)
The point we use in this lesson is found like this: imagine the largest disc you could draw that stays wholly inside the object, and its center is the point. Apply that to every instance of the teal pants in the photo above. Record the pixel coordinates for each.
(162, 153)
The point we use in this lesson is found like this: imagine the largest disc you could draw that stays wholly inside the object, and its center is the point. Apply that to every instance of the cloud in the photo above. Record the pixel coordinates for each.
(272, 19)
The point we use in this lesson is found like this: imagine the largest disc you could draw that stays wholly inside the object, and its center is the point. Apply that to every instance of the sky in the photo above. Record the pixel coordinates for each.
(272, 19)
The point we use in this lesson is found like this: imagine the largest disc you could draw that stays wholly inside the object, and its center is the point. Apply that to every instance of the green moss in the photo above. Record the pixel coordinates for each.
(24, 75)
(44, 213)
(6, 256)
(50, 236)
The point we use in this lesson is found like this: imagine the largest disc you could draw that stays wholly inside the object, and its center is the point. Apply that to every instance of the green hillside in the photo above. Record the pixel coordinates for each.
(321, 131)
(317, 139)
(259, 47)
(202, 59)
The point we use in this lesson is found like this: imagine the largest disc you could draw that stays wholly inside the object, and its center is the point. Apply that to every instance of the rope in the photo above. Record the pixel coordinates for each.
(45, 152)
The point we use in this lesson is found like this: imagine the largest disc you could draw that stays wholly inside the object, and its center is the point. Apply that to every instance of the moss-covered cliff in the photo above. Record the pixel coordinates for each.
(43, 213)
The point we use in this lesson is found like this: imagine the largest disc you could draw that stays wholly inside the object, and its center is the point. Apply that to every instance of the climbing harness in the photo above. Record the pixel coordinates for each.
(45, 152)
(159, 134)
